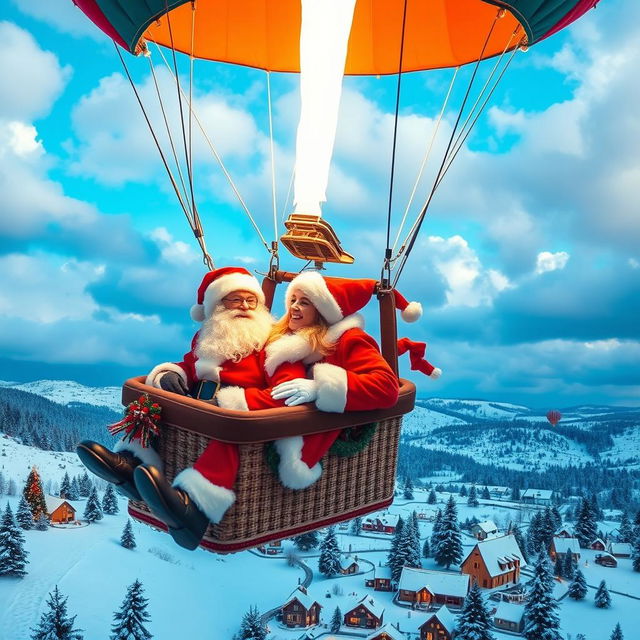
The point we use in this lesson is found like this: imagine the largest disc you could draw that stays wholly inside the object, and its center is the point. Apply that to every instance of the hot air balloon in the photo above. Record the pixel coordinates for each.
(554, 417)
(322, 40)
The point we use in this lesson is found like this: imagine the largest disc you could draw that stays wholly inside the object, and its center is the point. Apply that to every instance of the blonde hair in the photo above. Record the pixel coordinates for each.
(315, 335)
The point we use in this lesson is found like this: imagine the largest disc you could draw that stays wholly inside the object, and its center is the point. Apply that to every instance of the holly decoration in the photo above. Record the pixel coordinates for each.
(141, 421)
(353, 440)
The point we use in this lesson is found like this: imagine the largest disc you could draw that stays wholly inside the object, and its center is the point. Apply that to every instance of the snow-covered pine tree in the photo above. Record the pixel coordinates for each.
(578, 588)
(435, 531)
(586, 526)
(110, 501)
(432, 499)
(128, 621)
(596, 510)
(463, 491)
(85, 485)
(42, 523)
(474, 622)
(55, 624)
(336, 621)
(306, 541)
(541, 617)
(408, 488)
(426, 550)
(92, 510)
(602, 597)
(556, 518)
(12, 488)
(392, 556)
(625, 530)
(2, 484)
(558, 567)
(13, 557)
(34, 494)
(472, 500)
(65, 487)
(515, 494)
(569, 565)
(406, 554)
(547, 528)
(415, 540)
(485, 493)
(329, 561)
(356, 526)
(517, 534)
(635, 554)
(127, 540)
(449, 548)
(24, 517)
(74, 489)
(251, 625)
(617, 633)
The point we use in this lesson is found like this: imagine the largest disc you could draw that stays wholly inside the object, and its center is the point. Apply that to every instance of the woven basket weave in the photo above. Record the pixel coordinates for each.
(265, 510)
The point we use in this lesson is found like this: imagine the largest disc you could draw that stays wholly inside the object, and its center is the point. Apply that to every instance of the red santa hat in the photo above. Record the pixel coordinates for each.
(219, 283)
(337, 298)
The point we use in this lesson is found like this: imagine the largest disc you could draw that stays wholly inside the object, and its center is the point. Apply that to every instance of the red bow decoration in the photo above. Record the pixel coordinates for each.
(140, 421)
(416, 355)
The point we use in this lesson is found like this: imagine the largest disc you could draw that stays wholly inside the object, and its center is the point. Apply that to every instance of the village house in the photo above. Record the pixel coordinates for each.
(350, 568)
(537, 496)
(382, 581)
(426, 514)
(560, 547)
(300, 609)
(598, 545)
(606, 560)
(272, 548)
(386, 632)
(366, 614)
(565, 531)
(439, 626)
(425, 587)
(500, 493)
(494, 562)
(619, 549)
(509, 617)
(59, 511)
(483, 530)
(386, 523)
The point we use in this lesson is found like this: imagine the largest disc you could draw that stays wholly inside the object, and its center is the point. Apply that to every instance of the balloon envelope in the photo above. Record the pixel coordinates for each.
(554, 417)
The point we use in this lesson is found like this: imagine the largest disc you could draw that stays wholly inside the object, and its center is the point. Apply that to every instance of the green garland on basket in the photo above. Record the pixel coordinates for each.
(350, 442)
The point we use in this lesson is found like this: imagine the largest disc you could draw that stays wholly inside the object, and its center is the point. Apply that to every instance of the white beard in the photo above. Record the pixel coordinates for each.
(225, 336)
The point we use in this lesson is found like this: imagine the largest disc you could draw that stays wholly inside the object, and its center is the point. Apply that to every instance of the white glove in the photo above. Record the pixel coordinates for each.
(296, 391)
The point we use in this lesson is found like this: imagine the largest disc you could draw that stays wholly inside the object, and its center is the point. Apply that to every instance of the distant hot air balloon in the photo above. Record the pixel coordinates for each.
(554, 417)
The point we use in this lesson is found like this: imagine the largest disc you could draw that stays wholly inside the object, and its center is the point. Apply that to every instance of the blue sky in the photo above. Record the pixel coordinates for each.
(528, 264)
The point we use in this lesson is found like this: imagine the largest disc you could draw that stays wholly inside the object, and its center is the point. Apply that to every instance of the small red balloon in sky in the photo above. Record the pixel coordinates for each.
(554, 416)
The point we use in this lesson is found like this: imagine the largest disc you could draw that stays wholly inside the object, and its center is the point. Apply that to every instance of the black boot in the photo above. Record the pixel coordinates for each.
(187, 524)
(116, 468)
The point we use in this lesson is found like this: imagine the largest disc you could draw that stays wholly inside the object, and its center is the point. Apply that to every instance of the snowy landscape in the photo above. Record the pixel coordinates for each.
(200, 595)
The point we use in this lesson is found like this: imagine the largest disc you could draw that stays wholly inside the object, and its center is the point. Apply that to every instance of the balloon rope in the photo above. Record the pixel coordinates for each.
(273, 163)
(444, 159)
(386, 267)
(191, 62)
(286, 202)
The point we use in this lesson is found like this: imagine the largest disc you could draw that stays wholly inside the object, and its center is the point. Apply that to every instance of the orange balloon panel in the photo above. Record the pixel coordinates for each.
(265, 33)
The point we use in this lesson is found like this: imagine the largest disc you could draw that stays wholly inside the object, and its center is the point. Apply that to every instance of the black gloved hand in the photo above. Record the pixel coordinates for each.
(172, 381)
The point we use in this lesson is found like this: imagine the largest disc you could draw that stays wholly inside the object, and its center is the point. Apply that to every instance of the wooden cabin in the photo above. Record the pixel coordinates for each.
(483, 530)
(386, 632)
(494, 562)
(537, 496)
(598, 545)
(606, 560)
(366, 614)
(385, 523)
(509, 617)
(272, 548)
(425, 587)
(382, 580)
(439, 626)
(351, 568)
(300, 609)
(620, 549)
(561, 546)
(59, 511)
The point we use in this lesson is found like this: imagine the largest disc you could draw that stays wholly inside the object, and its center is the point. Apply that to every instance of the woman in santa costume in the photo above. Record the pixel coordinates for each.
(346, 371)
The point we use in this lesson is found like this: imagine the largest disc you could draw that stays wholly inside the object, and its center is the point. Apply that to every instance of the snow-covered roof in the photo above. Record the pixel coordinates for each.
(562, 545)
(542, 494)
(390, 519)
(303, 598)
(498, 489)
(510, 612)
(451, 584)
(487, 526)
(392, 632)
(600, 540)
(53, 503)
(446, 618)
(502, 549)
(371, 605)
(565, 527)
(383, 572)
(622, 548)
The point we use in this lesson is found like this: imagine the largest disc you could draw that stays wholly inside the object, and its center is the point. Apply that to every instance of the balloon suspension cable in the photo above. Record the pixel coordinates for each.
(273, 163)
(218, 158)
(439, 174)
(191, 63)
(289, 191)
(425, 159)
(386, 267)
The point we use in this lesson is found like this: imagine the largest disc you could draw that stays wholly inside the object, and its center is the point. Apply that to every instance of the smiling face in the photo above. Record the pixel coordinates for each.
(301, 312)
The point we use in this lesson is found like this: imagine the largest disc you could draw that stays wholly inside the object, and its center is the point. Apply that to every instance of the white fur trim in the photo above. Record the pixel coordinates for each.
(224, 285)
(412, 312)
(232, 398)
(210, 498)
(354, 321)
(197, 313)
(153, 379)
(332, 387)
(208, 369)
(315, 288)
(293, 472)
(436, 373)
(289, 348)
(146, 454)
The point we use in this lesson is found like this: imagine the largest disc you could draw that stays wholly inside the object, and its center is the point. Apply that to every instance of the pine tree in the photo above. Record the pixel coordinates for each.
(472, 500)
(568, 565)
(13, 557)
(586, 528)
(558, 568)
(517, 534)
(625, 530)
(408, 489)
(617, 633)
(65, 487)
(541, 617)
(392, 557)
(515, 494)
(336, 621)
(92, 510)
(127, 540)
(474, 622)
(426, 551)
(463, 491)
(407, 555)
(547, 529)
(24, 517)
(306, 541)
(435, 532)
(602, 597)
(356, 526)
(485, 493)
(55, 624)
(635, 554)
(556, 518)
(128, 622)
(34, 494)
(432, 499)
(74, 489)
(85, 485)
(449, 548)
(578, 588)
(110, 501)
(329, 561)
(251, 626)
(596, 511)
(42, 523)
(415, 540)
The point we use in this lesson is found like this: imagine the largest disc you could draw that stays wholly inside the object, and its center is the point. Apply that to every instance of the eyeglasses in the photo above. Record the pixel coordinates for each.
(236, 302)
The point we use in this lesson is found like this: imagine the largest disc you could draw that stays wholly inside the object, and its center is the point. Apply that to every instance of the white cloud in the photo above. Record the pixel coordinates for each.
(173, 251)
(548, 261)
(63, 15)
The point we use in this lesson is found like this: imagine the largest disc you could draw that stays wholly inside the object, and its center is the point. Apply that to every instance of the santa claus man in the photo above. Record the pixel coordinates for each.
(227, 354)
